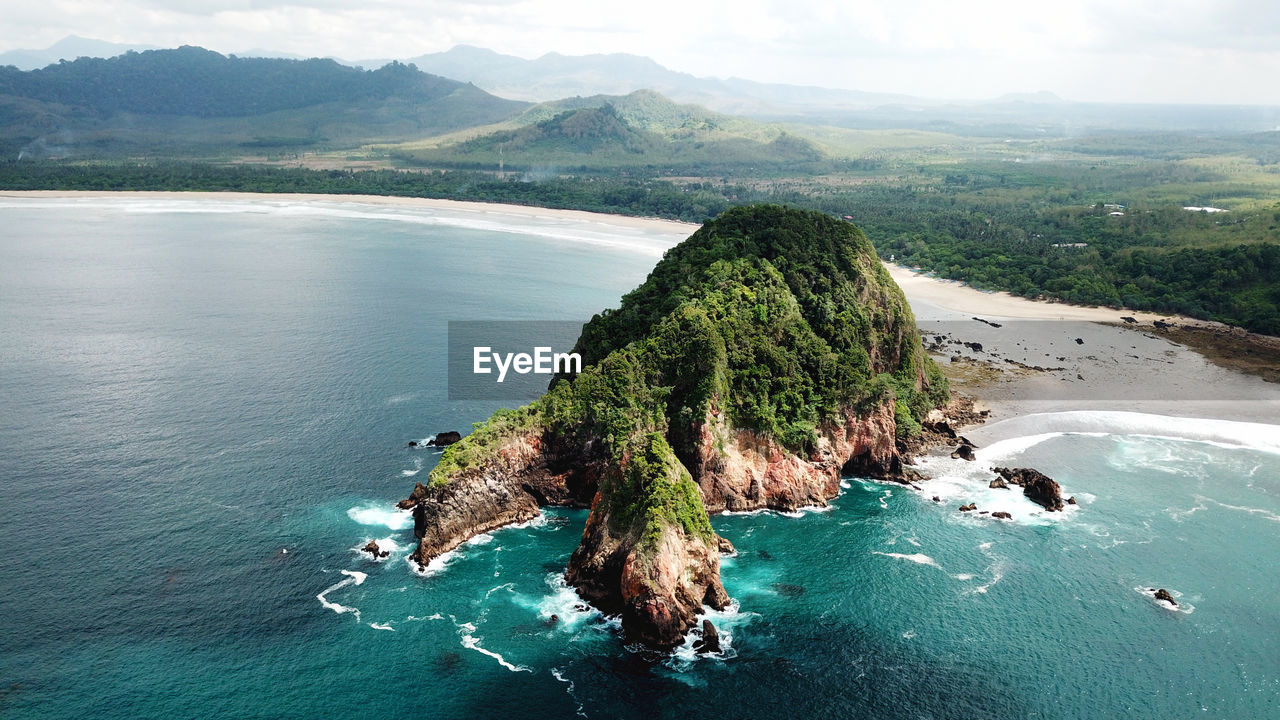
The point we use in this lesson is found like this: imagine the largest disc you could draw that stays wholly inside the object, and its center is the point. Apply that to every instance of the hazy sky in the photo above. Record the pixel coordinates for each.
(1225, 51)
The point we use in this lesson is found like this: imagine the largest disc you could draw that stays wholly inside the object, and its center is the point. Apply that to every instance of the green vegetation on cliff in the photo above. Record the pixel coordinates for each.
(780, 320)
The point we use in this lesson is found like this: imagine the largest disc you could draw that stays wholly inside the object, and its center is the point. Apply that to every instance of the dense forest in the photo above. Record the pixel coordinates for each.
(1220, 266)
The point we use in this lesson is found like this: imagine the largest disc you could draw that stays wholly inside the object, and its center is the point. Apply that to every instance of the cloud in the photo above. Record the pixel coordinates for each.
(1165, 50)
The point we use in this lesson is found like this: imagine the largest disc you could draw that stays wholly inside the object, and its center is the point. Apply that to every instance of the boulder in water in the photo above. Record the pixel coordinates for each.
(1164, 595)
(448, 437)
(710, 640)
(375, 551)
(963, 452)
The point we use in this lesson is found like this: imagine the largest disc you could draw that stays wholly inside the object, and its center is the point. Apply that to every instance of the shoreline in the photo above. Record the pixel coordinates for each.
(464, 206)
(1026, 366)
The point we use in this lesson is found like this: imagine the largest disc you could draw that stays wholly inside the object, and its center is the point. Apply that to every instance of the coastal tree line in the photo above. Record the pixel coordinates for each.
(1220, 266)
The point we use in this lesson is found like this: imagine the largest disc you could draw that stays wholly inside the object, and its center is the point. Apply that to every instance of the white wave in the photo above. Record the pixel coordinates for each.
(562, 602)
(435, 567)
(1262, 512)
(386, 544)
(726, 621)
(963, 576)
(353, 578)
(540, 520)
(918, 558)
(410, 473)
(555, 672)
(391, 517)
(1222, 433)
(996, 568)
(471, 642)
(959, 482)
(381, 626)
(481, 539)
(796, 513)
(401, 399)
(508, 587)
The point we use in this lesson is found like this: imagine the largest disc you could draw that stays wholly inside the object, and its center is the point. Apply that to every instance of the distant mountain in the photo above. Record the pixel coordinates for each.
(191, 97)
(68, 48)
(642, 130)
(555, 76)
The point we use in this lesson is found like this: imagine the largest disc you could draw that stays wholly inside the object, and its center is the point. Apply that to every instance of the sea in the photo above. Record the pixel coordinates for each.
(205, 409)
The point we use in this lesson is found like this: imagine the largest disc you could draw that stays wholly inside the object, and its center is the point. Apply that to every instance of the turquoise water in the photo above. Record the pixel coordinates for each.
(205, 411)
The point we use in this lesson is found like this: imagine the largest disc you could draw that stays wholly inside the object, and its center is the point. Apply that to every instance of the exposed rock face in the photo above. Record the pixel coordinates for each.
(740, 470)
(725, 547)
(761, 359)
(1036, 486)
(507, 489)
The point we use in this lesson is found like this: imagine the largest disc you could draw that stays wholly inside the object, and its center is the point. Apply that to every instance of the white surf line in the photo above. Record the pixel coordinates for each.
(918, 558)
(473, 643)
(353, 578)
(555, 672)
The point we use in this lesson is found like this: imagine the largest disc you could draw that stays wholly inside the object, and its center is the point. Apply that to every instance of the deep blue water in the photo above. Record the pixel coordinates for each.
(189, 390)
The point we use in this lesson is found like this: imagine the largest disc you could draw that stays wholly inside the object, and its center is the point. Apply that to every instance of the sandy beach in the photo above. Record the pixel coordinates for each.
(673, 227)
(1022, 357)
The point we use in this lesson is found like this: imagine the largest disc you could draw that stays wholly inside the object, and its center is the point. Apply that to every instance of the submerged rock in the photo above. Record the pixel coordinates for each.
(789, 590)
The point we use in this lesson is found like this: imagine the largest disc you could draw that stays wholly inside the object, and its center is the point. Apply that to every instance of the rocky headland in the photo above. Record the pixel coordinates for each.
(763, 358)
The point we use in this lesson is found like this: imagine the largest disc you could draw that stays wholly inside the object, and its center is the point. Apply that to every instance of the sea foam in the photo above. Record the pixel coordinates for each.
(392, 518)
(1042, 426)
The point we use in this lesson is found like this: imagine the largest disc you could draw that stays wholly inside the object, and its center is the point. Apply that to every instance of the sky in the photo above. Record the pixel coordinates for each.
(1223, 51)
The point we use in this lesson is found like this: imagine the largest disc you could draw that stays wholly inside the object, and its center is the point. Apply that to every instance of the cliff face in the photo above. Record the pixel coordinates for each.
(764, 357)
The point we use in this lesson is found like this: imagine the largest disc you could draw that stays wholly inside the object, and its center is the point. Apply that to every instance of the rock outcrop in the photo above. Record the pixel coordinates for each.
(1166, 596)
(374, 551)
(445, 438)
(762, 358)
(1036, 486)
(709, 642)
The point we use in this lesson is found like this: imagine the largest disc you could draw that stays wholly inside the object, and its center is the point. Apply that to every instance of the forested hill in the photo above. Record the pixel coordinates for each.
(164, 94)
(202, 83)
